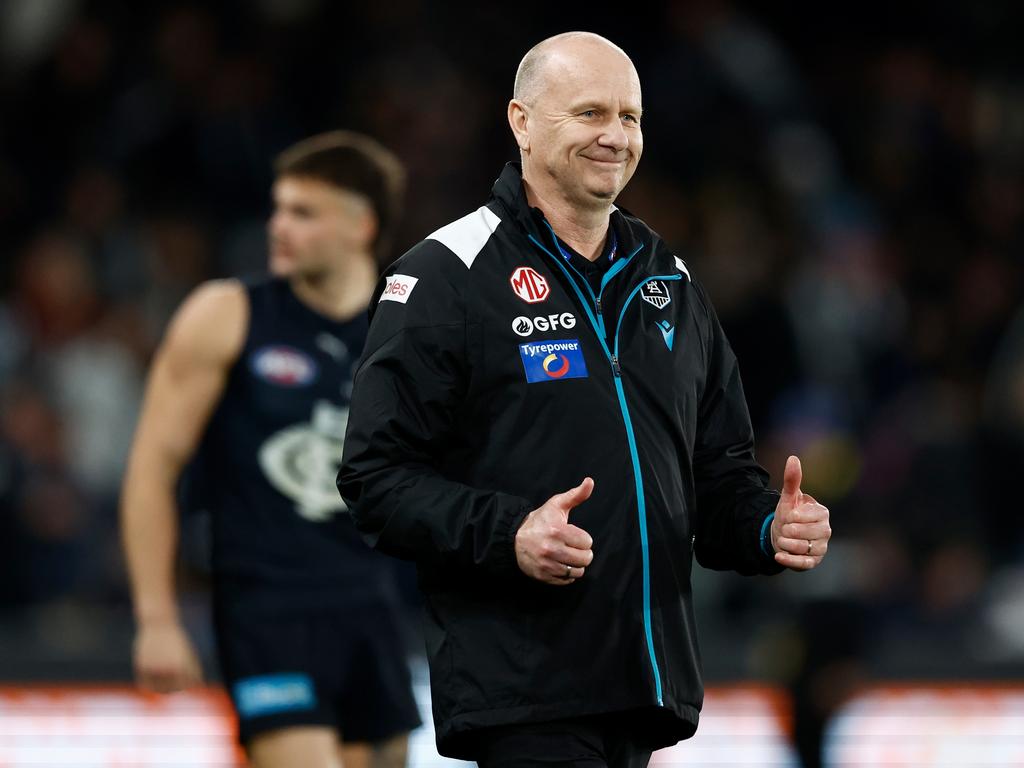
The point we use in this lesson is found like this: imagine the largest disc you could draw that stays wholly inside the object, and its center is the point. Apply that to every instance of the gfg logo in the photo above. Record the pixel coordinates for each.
(524, 326)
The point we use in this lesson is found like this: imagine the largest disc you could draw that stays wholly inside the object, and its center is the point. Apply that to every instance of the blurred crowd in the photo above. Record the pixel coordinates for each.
(848, 185)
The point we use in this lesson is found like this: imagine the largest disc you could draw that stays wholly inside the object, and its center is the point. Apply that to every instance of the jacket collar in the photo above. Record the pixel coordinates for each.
(508, 192)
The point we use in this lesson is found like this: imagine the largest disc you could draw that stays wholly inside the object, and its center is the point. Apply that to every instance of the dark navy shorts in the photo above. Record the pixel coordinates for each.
(343, 669)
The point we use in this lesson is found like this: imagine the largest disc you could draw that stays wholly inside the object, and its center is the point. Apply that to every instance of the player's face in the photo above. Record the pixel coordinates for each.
(584, 128)
(315, 226)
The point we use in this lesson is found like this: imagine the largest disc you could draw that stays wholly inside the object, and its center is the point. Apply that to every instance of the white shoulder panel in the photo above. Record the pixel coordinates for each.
(682, 267)
(467, 236)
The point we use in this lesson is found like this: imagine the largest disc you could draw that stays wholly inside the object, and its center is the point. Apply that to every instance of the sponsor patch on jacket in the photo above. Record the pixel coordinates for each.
(529, 285)
(398, 288)
(553, 360)
(668, 332)
(271, 694)
(284, 366)
(656, 292)
(525, 326)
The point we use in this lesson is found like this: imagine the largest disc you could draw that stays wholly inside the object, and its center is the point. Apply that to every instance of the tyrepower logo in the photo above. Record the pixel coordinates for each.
(398, 288)
(553, 360)
(529, 285)
(524, 326)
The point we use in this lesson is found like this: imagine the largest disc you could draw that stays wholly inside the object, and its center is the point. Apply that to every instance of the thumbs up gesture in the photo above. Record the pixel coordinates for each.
(548, 547)
(800, 530)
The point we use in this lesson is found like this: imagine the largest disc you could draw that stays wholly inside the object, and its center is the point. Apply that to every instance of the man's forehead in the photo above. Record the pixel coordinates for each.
(589, 87)
(312, 188)
(596, 71)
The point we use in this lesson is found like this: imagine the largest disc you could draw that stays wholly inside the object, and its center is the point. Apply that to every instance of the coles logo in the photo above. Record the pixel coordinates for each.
(524, 326)
(284, 366)
(398, 288)
(529, 285)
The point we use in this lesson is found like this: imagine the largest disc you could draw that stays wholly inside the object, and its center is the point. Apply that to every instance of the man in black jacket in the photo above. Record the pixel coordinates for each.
(547, 337)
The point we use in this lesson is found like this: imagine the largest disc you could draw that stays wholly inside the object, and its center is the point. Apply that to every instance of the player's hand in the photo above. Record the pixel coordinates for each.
(800, 530)
(165, 659)
(548, 547)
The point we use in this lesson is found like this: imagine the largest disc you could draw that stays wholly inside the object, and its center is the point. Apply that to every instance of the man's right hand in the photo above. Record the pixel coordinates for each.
(165, 659)
(550, 549)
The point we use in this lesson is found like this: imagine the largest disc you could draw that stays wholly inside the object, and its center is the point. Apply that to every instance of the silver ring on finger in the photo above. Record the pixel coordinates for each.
(810, 546)
(568, 571)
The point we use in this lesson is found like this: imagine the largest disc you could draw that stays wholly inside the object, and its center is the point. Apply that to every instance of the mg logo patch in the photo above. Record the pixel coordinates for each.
(656, 292)
(529, 285)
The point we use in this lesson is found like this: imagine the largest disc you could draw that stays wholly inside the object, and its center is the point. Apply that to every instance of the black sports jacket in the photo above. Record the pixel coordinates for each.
(494, 377)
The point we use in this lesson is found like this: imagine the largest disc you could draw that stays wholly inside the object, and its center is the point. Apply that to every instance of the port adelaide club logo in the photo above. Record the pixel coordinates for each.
(656, 292)
(529, 285)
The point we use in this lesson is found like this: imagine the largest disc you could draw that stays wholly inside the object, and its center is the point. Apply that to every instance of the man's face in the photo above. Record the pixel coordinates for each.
(315, 225)
(584, 126)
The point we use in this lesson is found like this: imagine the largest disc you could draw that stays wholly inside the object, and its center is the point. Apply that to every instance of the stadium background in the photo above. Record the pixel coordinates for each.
(847, 179)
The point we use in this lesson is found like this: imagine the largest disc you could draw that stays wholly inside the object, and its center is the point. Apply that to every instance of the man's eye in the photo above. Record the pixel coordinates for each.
(632, 118)
(588, 113)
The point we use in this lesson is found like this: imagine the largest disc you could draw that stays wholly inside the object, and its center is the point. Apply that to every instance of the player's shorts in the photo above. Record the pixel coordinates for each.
(346, 670)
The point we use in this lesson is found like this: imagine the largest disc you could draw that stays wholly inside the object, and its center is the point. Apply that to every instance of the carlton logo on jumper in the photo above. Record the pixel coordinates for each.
(529, 285)
(301, 462)
(283, 366)
(656, 292)
(524, 326)
(398, 288)
(553, 360)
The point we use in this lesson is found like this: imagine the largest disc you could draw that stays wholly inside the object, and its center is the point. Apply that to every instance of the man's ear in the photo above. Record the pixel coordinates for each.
(519, 121)
(369, 226)
(360, 217)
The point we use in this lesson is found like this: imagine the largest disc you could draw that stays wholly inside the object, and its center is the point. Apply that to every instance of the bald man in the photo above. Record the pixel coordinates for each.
(550, 422)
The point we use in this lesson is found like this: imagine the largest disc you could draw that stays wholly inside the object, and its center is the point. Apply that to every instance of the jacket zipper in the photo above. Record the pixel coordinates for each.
(617, 267)
(634, 454)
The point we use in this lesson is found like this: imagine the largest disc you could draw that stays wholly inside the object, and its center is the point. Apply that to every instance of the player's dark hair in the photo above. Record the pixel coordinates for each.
(355, 162)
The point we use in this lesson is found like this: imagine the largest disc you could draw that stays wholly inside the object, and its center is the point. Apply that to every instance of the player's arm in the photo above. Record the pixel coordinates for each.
(185, 383)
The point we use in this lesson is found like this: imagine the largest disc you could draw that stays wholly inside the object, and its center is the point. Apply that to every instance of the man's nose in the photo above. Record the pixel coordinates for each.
(614, 135)
(275, 225)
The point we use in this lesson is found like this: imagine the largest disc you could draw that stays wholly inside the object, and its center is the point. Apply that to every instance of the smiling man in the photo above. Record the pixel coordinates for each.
(550, 422)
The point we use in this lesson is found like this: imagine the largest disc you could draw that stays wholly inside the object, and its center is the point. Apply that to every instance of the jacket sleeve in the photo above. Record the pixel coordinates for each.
(403, 416)
(733, 501)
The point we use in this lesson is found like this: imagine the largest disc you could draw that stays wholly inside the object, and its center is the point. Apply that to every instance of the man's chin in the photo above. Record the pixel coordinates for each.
(603, 193)
(605, 188)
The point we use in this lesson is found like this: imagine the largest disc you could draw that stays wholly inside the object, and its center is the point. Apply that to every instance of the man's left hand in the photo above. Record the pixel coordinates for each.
(800, 530)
